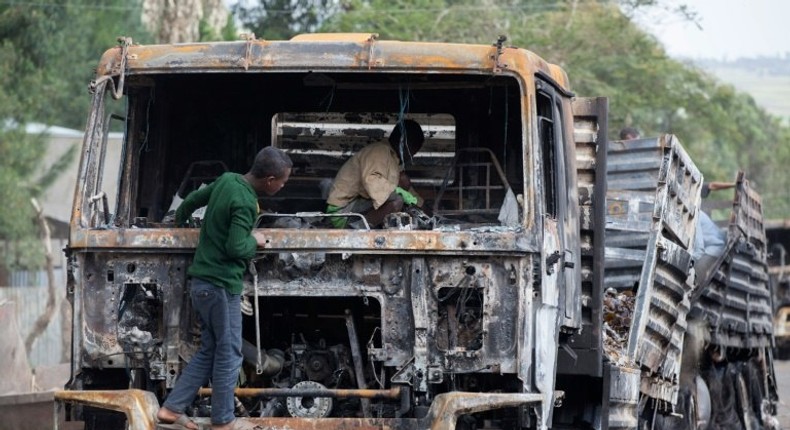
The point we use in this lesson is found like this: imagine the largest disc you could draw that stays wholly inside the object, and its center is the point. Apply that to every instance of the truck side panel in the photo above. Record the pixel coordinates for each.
(652, 201)
(589, 134)
(736, 299)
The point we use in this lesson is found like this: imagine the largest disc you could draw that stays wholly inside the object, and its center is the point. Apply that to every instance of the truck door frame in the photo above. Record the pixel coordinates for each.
(552, 175)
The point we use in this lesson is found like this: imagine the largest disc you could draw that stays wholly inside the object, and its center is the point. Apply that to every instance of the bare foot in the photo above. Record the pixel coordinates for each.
(166, 416)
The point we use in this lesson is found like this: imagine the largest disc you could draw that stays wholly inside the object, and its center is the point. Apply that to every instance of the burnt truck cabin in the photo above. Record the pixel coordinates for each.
(187, 129)
(468, 295)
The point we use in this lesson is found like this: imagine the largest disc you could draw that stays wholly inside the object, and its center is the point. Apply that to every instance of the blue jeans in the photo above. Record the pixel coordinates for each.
(219, 356)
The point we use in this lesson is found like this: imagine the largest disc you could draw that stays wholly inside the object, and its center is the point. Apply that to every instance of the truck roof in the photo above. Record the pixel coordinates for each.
(341, 52)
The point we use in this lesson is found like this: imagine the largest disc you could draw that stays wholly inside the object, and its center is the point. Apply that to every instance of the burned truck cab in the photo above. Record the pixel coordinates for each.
(450, 313)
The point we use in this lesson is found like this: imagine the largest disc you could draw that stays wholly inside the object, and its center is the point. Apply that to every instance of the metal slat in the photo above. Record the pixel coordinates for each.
(653, 196)
(736, 302)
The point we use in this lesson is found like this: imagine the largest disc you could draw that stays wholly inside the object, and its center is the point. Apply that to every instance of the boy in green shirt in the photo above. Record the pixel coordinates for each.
(225, 247)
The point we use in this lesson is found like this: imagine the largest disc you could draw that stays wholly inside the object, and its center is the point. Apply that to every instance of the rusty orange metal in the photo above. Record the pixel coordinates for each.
(328, 52)
(322, 423)
(339, 52)
(447, 407)
(499, 241)
(392, 393)
(139, 406)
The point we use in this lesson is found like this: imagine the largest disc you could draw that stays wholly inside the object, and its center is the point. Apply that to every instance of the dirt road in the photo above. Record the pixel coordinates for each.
(783, 381)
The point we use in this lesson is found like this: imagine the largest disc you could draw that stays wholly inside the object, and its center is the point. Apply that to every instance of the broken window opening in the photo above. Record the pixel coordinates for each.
(470, 162)
(548, 146)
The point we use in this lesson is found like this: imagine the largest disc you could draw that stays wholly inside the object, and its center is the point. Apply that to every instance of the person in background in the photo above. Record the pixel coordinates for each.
(710, 240)
(372, 182)
(225, 247)
(629, 133)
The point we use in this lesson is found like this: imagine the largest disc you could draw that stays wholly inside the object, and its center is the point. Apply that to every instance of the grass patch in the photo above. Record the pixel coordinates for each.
(771, 91)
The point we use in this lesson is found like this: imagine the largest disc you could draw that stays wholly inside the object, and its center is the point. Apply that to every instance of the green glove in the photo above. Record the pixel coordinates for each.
(408, 198)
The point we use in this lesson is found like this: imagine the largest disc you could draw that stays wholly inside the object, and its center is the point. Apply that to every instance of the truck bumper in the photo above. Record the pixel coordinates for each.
(140, 408)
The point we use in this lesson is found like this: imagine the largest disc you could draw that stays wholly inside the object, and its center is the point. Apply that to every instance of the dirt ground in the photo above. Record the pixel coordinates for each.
(782, 369)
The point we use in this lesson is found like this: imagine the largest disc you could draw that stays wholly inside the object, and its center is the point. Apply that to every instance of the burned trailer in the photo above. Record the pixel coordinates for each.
(652, 204)
(449, 317)
(733, 310)
(691, 314)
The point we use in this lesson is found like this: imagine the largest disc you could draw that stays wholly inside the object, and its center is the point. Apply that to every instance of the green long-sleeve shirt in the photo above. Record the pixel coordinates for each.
(225, 244)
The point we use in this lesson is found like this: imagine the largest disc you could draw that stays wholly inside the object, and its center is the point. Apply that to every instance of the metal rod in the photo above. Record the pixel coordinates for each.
(257, 312)
(101, 197)
(392, 393)
(357, 357)
(314, 215)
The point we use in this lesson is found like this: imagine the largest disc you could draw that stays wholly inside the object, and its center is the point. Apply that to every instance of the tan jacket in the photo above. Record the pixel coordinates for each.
(372, 173)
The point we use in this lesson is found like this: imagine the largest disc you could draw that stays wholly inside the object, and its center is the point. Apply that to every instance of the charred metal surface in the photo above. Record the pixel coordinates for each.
(90, 161)
(348, 132)
(590, 137)
(139, 406)
(392, 393)
(443, 317)
(652, 202)
(546, 323)
(418, 299)
(736, 298)
(326, 54)
(129, 307)
(483, 240)
(447, 407)
(623, 397)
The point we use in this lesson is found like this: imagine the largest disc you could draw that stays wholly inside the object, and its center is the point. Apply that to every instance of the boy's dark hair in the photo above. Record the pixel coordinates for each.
(270, 161)
(413, 133)
(629, 133)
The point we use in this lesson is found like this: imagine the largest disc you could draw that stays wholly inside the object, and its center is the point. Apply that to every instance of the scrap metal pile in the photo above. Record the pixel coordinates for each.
(618, 313)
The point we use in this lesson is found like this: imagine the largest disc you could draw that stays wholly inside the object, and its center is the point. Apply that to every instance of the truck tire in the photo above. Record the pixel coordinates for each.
(750, 421)
(701, 402)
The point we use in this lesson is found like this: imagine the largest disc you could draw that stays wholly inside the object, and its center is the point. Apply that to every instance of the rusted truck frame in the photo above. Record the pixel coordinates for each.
(133, 327)
(486, 312)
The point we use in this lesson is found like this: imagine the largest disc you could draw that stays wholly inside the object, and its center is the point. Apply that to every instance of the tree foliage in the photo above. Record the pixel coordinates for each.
(227, 32)
(281, 19)
(724, 130)
(56, 46)
(606, 54)
(48, 53)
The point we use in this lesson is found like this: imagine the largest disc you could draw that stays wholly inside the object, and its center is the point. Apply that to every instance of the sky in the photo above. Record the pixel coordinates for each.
(728, 29)
(725, 29)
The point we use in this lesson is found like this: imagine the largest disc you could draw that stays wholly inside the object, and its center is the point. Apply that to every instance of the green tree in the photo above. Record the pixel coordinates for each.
(430, 20)
(59, 42)
(48, 53)
(282, 19)
(606, 54)
(208, 34)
